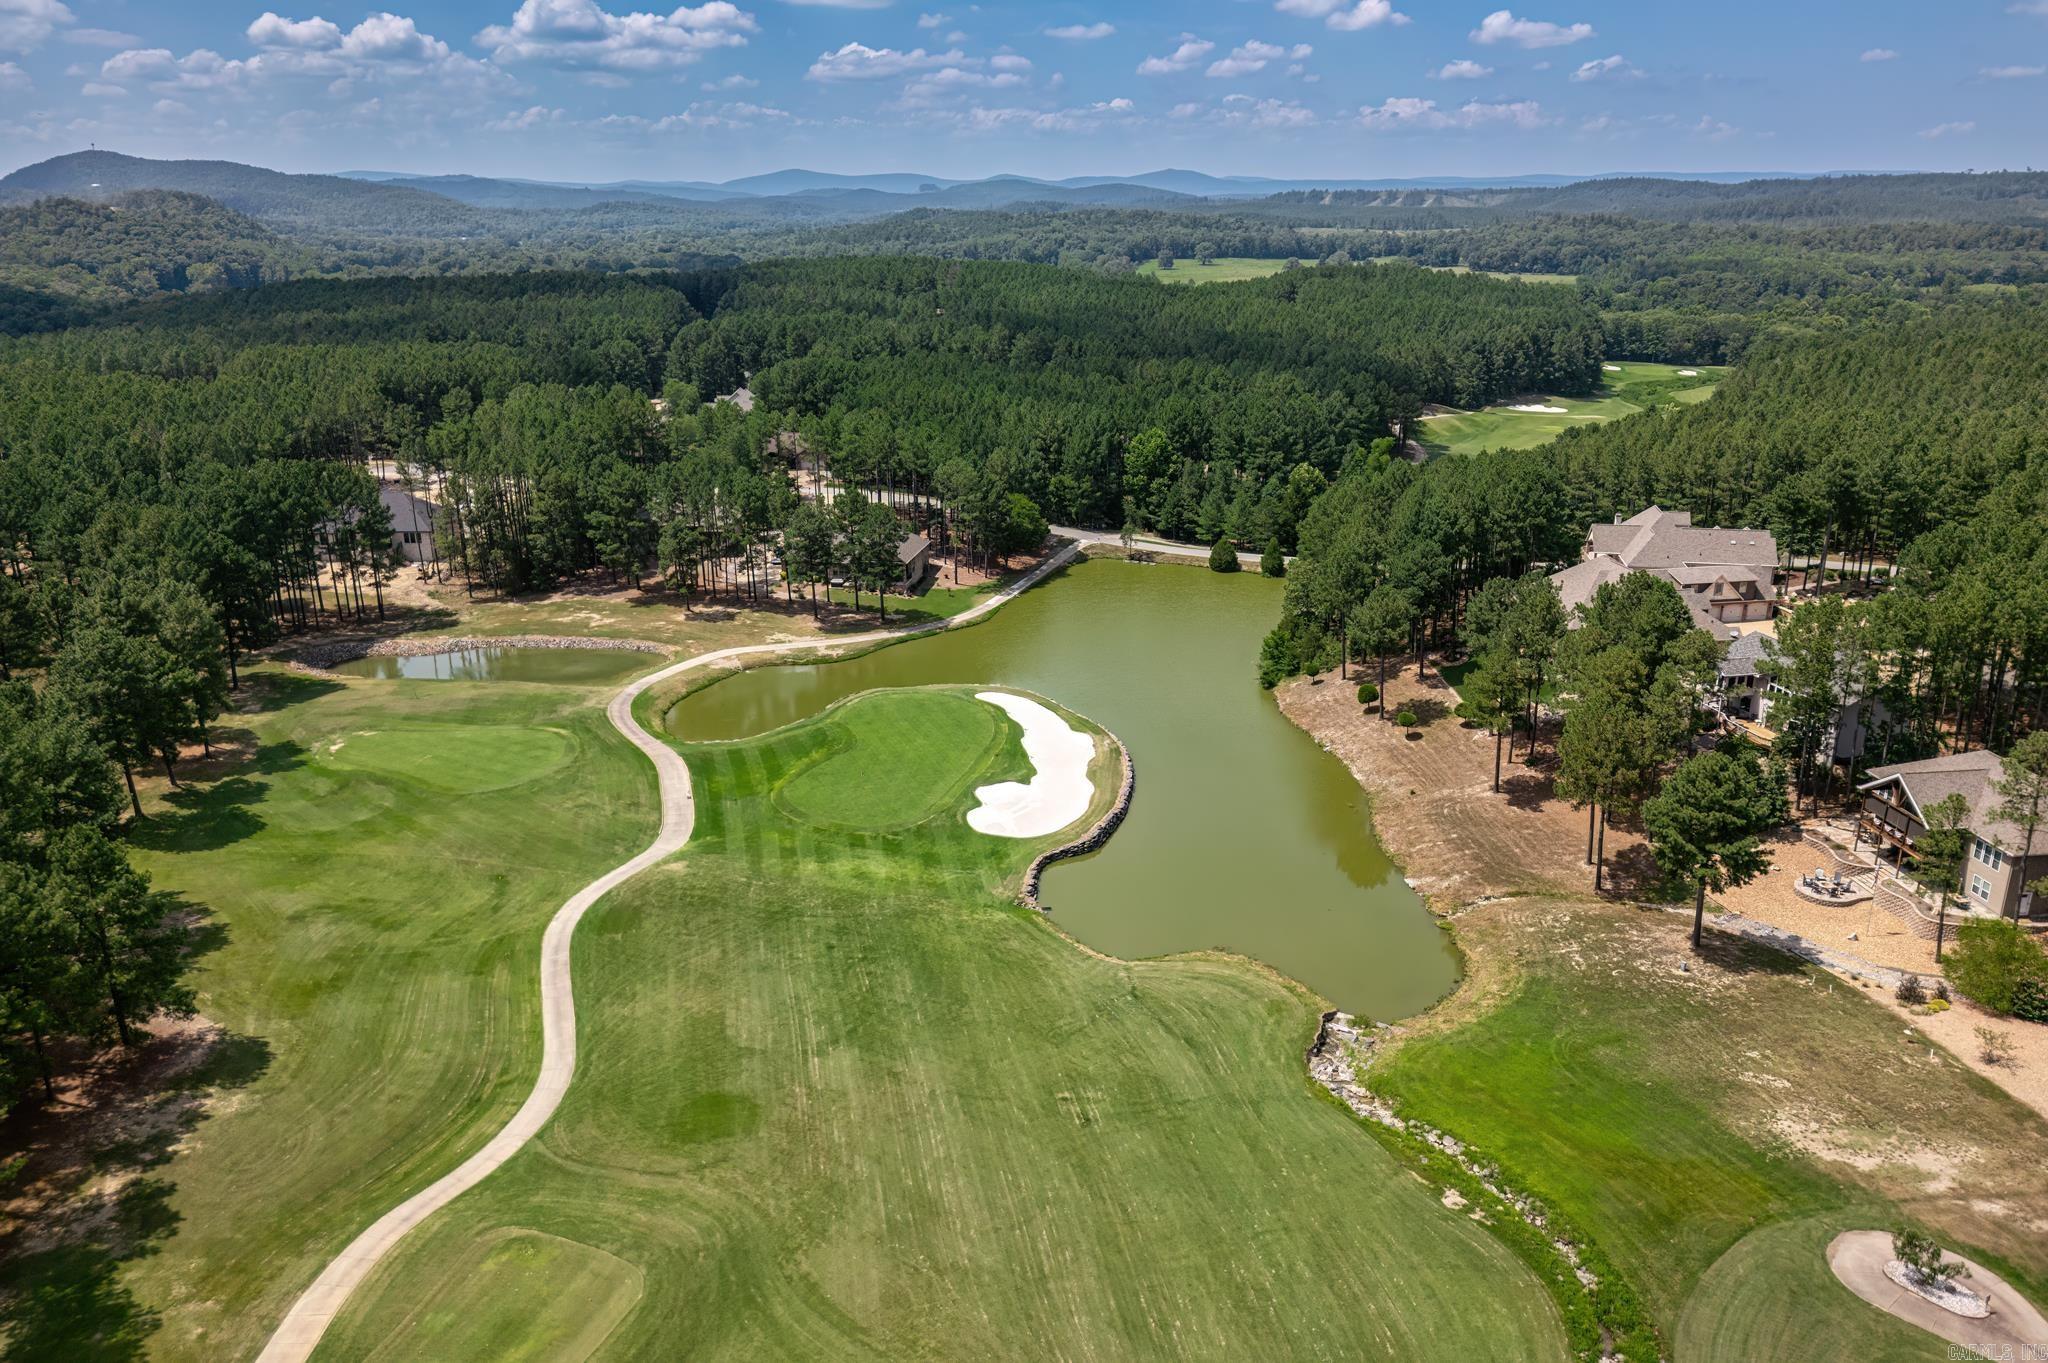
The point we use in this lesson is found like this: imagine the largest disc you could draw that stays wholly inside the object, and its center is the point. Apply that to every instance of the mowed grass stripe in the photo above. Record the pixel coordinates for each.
(943, 1131)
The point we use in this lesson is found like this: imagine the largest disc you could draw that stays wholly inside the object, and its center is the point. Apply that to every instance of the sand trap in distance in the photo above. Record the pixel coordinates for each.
(1688, 373)
(1059, 790)
(1533, 407)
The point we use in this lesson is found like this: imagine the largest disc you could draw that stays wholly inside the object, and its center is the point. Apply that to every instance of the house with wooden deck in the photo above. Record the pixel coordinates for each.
(1996, 867)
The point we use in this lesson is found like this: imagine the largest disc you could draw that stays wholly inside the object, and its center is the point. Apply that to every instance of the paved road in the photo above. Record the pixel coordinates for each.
(1151, 544)
(300, 1332)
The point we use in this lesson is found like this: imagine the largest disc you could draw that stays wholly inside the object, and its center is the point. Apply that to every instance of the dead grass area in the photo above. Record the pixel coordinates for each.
(1862, 930)
(1784, 1053)
(85, 1156)
(1433, 800)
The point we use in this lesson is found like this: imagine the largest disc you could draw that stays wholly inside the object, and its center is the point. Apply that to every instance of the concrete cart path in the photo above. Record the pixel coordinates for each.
(2014, 1329)
(303, 1326)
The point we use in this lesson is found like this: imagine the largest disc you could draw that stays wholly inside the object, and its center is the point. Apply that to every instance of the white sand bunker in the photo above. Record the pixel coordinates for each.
(1688, 373)
(1611, 368)
(1059, 791)
(1534, 407)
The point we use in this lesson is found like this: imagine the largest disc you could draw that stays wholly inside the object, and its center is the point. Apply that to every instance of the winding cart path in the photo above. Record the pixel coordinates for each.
(302, 1328)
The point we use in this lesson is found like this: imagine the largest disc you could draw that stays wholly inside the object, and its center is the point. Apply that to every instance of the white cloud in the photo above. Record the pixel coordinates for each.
(1254, 56)
(1347, 16)
(1009, 61)
(1398, 113)
(1085, 118)
(98, 37)
(2012, 72)
(1462, 69)
(2027, 7)
(1189, 51)
(1242, 111)
(14, 79)
(311, 35)
(1878, 54)
(735, 81)
(99, 89)
(25, 24)
(1713, 129)
(858, 61)
(1081, 33)
(1956, 129)
(576, 33)
(1187, 110)
(170, 108)
(1502, 26)
(539, 115)
(1615, 67)
(954, 80)
(200, 69)
(934, 20)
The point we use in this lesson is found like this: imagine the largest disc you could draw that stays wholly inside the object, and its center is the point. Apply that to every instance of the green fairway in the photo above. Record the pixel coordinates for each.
(840, 1099)
(1222, 270)
(378, 864)
(1677, 1118)
(1626, 387)
(900, 758)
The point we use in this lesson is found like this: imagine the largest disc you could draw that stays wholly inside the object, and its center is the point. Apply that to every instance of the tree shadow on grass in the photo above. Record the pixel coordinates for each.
(86, 1193)
(267, 692)
(195, 818)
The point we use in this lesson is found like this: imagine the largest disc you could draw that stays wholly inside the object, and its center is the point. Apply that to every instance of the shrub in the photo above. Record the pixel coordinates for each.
(1910, 990)
(1941, 994)
(1937, 1005)
(1406, 719)
(1993, 1045)
(1991, 960)
(1368, 693)
(1223, 557)
(1272, 562)
(1922, 1256)
(2030, 1000)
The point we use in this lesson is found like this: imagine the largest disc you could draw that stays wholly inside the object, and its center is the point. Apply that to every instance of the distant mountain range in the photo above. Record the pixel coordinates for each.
(1187, 183)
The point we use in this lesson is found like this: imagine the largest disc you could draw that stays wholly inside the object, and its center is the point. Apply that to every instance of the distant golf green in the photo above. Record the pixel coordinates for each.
(1626, 387)
(839, 1098)
(1243, 833)
(1222, 270)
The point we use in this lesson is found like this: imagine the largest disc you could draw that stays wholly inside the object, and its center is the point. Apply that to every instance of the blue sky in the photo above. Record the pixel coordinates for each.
(572, 89)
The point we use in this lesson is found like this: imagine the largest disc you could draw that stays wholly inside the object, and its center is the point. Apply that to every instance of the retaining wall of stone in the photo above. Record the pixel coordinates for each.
(1088, 841)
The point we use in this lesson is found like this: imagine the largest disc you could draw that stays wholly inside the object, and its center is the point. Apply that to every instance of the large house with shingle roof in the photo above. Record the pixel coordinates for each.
(1725, 577)
(1996, 870)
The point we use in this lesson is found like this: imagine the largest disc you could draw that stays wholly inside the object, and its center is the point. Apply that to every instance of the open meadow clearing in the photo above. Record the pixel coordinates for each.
(842, 1099)
(1222, 270)
(1626, 387)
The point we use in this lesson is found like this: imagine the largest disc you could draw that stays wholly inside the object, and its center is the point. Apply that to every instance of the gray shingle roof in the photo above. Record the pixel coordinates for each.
(1971, 775)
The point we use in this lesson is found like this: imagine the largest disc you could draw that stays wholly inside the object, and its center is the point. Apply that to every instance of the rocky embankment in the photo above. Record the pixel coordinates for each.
(1088, 841)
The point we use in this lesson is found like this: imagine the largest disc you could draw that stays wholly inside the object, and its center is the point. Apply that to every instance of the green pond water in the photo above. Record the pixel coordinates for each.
(1242, 834)
(562, 666)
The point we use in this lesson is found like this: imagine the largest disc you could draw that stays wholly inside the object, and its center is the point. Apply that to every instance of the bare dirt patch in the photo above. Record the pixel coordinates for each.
(1433, 800)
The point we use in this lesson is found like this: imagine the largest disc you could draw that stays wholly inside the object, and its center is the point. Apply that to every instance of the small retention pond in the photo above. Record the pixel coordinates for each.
(562, 666)
(1243, 833)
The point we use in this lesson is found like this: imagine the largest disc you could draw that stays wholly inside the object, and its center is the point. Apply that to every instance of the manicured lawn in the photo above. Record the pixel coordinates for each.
(377, 871)
(899, 758)
(841, 1099)
(1222, 270)
(1627, 387)
(1679, 1116)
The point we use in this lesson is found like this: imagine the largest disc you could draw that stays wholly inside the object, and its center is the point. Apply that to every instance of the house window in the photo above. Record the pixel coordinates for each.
(410, 536)
(1989, 855)
(1980, 888)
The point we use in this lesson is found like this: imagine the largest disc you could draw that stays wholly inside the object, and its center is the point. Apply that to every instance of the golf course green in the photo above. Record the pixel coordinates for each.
(1243, 833)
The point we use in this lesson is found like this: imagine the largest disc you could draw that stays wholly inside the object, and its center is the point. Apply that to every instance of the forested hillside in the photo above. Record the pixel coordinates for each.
(1918, 452)
(137, 246)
